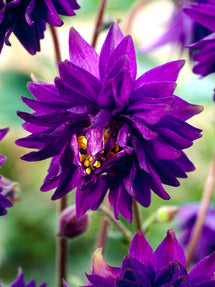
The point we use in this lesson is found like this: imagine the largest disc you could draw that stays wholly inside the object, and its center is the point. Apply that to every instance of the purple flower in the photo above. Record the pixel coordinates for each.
(143, 267)
(27, 19)
(4, 187)
(185, 220)
(107, 131)
(204, 50)
(20, 281)
(181, 30)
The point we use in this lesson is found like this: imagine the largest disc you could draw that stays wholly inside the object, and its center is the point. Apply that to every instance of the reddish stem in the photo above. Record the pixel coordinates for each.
(204, 206)
(98, 22)
(103, 230)
(61, 249)
(61, 244)
(135, 9)
(56, 44)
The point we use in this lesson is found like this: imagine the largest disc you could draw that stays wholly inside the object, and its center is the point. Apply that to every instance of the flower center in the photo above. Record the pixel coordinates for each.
(90, 163)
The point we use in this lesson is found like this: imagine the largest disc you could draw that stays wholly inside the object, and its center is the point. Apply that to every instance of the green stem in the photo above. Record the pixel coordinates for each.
(137, 215)
(126, 233)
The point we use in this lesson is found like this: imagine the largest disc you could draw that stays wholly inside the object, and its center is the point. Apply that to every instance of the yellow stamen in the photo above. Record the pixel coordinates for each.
(88, 170)
(82, 142)
(97, 164)
(116, 148)
(83, 157)
(88, 160)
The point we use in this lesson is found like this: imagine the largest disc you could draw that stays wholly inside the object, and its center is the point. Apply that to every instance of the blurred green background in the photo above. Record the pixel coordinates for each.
(28, 232)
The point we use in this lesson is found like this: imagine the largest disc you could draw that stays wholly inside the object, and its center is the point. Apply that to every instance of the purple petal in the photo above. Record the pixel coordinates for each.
(3, 132)
(113, 38)
(203, 271)
(95, 141)
(80, 80)
(142, 190)
(202, 14)
(151, 90)
(142, 251)
(183, 110)
(44, 92)
(90, 197)
(125, 205)
(161, 150)
(100, 267)
(140, 126)
(166, 72)
(2, 159)
(169, 250)
(82, 54)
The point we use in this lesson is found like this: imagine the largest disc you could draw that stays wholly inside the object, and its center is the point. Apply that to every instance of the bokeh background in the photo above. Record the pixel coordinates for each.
(28, 232)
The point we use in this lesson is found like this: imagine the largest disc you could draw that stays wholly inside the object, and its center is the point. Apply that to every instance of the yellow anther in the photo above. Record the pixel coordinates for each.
(116, 148)
(89, 157)
(97, 164)
(88, 160)
(86, 163)
(83, 157)
(102, 152)
(82, 142)
(88, 170)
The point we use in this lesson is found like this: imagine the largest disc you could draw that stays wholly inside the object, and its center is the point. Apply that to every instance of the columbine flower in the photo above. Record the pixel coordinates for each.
(69, 225)
(144, 268)
(27, 19)
(204, 49)
(20, 281)
(185, 220)
(181, 30)
(4, 201)
(106, 131)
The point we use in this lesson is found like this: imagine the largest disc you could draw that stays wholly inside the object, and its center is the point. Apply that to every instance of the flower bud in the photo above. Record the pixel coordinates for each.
(166, 213)
(69, 225)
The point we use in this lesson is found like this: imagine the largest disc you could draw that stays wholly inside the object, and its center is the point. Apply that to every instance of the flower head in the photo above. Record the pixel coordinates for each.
(142, 267)
(27, 20)
(20, 281)
(107, 131)
(5, 186)
(185, 220)
(182, 30)
(203, 50)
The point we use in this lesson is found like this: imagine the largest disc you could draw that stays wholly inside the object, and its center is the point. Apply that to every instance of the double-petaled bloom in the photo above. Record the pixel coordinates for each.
(105, 130)
(6, 186)
(204, 50)
(181, 30)
(185, 220)
(143, 267)
(20, 281)
(27, 19)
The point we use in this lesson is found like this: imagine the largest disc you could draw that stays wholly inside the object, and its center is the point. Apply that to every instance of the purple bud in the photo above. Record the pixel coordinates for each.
(69, 225)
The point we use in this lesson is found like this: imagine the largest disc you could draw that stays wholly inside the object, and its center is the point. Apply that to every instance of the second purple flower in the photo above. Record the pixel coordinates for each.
(105, 130)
